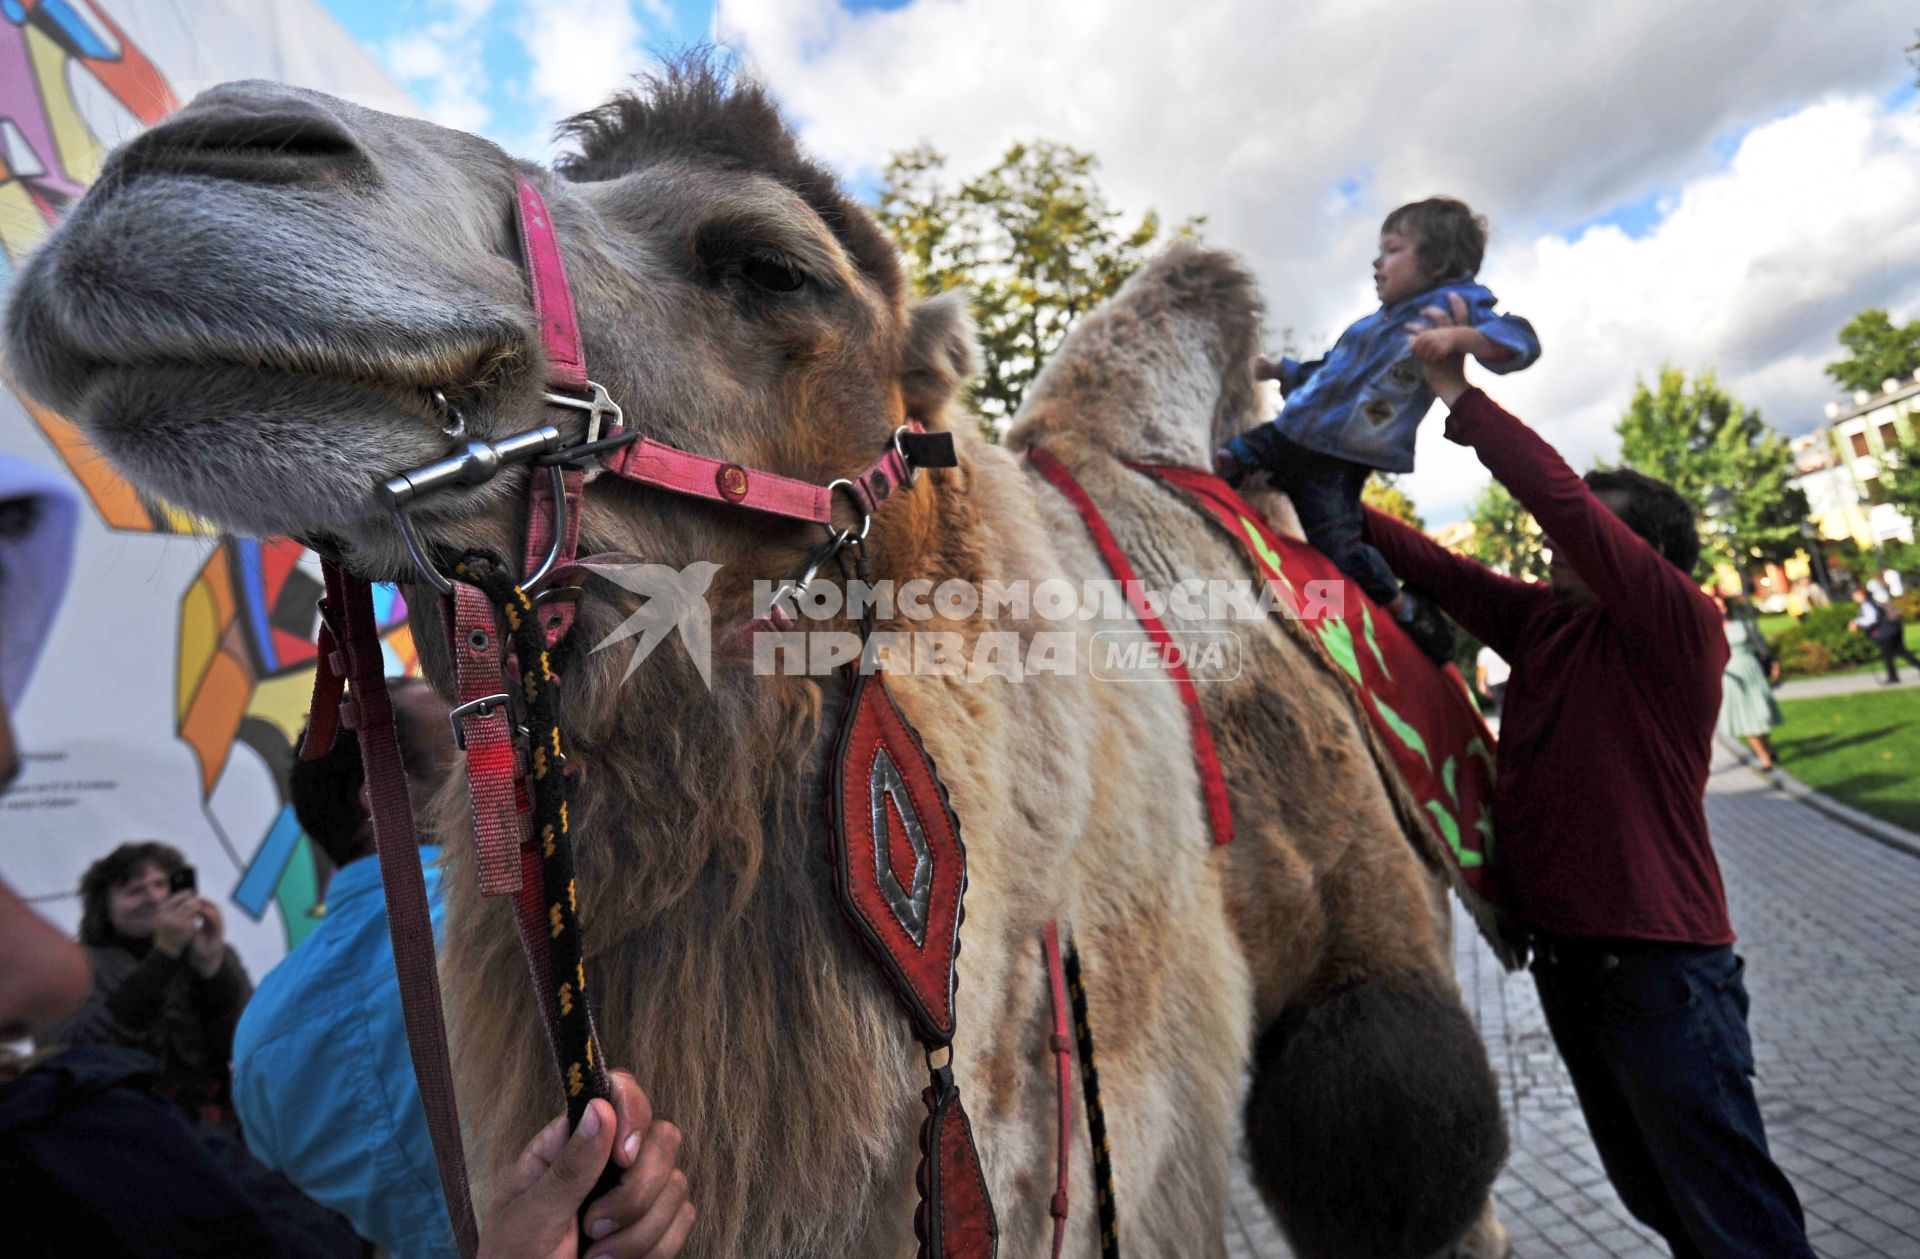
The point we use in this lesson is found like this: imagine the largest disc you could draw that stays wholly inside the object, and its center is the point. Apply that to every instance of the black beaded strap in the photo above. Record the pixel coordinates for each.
(576, 1041)
(1096, 1116)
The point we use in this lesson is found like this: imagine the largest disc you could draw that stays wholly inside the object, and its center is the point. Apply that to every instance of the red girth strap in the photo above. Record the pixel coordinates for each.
(1213, 784)
(348, 610)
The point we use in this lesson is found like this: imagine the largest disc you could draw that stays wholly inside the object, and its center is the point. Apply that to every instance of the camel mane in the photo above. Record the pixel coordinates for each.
(696, 110)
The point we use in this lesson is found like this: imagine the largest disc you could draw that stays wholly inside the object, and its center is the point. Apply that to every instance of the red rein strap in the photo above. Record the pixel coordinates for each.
(1213, 783)
(1061, 1043)
(358, 661)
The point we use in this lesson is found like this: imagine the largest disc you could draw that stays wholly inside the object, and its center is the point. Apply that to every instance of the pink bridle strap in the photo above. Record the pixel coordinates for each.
(656, 464)
(552, 295)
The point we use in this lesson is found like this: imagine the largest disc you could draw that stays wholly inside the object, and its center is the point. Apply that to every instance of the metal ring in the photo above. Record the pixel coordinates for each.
(417, 547)
(418, 550)
(557, 480)
(844, 536)
(456, 428)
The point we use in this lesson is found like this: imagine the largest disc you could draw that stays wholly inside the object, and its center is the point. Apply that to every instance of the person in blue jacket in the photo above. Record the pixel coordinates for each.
(322, 1077)
(1356, 411)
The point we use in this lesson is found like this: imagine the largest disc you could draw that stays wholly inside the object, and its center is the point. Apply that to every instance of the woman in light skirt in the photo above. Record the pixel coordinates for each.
(1747, 707)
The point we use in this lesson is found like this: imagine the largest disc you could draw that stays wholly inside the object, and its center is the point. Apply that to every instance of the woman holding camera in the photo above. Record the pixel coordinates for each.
(164, 979)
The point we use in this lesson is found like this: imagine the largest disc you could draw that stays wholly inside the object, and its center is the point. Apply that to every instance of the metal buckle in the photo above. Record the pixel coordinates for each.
(843, 536)
(483, 708)
(913, 471)
(595, 405)
(791, 592)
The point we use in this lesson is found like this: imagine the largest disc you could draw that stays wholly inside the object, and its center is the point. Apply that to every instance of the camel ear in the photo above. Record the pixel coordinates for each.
(941, 355)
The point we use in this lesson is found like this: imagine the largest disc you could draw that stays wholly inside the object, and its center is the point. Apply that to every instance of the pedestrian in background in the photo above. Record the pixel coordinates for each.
(1747, 707)
(1491, 673)
(165, 981)
(1883, 629)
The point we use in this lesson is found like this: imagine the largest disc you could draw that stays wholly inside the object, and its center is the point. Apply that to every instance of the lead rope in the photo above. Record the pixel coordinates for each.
(1060, 1042)
(1096, 1116)
(576, 1041)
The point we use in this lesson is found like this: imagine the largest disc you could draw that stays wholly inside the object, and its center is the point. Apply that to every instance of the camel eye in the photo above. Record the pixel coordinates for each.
(772, 273)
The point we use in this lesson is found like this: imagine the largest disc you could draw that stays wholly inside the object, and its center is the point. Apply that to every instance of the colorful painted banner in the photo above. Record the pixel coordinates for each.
(1426, 717)
(180, 667)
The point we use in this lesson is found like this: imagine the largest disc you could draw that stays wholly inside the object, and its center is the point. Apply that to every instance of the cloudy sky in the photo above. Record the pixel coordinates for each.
(1717, 183)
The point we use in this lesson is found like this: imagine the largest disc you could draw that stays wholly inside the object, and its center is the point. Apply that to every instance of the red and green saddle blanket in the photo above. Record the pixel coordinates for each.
(1426, 717)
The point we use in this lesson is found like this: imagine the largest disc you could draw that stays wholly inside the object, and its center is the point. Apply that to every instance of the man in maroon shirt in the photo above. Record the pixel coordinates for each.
(1600, 822)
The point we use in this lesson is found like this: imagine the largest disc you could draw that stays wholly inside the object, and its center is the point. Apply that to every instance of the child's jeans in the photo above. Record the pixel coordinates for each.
(1326, 495)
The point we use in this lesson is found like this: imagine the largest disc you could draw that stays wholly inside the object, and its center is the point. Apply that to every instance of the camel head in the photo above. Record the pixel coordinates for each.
(249, 312)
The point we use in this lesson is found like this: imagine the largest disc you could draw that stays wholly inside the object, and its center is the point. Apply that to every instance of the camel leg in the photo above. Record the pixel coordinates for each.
(1373, 1125)
(1487, 1239)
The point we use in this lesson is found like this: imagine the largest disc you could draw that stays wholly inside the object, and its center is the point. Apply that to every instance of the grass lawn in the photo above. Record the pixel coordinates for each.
(1861, 749)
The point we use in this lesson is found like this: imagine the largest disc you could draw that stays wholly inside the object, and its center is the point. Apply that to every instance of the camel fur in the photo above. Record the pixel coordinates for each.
(1353, 997)
(248, 314)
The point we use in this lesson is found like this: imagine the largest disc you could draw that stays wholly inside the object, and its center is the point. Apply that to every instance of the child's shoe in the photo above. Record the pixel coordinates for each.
(1229, 468)
(1429, 631)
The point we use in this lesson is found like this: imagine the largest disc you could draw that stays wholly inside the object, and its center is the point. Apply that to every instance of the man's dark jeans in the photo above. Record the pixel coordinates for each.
(1326, 496)
(1655, 1037)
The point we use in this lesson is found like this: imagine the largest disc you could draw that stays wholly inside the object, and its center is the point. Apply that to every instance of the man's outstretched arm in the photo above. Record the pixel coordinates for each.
(1490, 607)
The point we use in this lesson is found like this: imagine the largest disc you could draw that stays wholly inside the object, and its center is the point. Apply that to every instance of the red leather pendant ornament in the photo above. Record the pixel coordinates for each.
(900, 868)
(955, 1219)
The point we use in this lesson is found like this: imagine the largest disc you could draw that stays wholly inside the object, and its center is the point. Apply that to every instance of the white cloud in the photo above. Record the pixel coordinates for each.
(582, 52)
(1542, 113)
(441, 62)
(1751, 274)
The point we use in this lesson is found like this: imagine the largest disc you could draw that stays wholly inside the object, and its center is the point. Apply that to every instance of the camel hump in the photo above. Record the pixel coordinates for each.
(1150, 374)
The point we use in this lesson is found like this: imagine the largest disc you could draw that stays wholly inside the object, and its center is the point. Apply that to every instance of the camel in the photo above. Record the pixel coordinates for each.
(250, 314)
(1161, 374)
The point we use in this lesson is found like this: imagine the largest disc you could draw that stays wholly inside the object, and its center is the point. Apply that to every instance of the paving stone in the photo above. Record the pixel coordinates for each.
(1829, 923)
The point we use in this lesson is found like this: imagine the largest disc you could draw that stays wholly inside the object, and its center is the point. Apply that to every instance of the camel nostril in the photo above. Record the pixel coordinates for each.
(291, 142)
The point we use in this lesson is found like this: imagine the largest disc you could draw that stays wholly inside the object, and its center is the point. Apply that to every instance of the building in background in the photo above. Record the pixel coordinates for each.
(1840, 464)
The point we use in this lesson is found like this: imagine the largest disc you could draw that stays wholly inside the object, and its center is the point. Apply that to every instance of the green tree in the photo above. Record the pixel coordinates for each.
(1722, 457)
(1899, 482)
(1505, 537)
(1382, 492)
(1876, 351)
(1032, 237)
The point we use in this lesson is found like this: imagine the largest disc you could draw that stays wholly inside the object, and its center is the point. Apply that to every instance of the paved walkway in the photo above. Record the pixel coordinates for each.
(1845, 684)
(1830, 927)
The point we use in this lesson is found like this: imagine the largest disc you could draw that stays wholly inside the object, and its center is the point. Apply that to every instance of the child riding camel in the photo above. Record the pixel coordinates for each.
(1357, 409)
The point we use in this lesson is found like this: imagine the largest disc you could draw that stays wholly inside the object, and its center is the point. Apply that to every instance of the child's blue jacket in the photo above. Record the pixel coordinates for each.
(1364, 401)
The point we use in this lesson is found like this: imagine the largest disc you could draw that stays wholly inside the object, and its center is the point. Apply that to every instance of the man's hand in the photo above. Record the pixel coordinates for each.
(176, 923)
(209, 947)
(1441, 341)
(646, 1216)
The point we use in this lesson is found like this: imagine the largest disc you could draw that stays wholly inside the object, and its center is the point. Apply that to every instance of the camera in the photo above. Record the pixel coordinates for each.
(183, 880)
